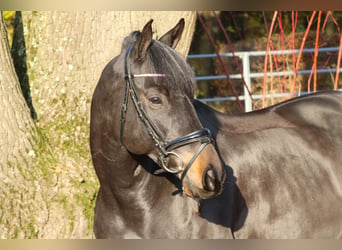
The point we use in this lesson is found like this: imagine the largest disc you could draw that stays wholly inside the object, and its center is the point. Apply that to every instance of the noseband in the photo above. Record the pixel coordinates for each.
(165, 148)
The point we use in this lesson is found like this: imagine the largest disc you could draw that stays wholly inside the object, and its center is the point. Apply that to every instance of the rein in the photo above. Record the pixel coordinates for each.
(165, 148)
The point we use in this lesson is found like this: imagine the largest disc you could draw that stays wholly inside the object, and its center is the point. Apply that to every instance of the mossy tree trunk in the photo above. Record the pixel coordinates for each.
(21, 206)
(52, 195)
(16, 126)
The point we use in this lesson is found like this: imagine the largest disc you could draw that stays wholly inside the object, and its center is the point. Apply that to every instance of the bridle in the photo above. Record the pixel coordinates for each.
(165, 148)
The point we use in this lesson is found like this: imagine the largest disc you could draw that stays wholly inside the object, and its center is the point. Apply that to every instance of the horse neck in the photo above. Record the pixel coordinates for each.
(226, 129)
(226, 125)
(134, 197)
(130, 177)
(144, 194)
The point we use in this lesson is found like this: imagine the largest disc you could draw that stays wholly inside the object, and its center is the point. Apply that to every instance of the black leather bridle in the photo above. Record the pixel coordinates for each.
(165, 148)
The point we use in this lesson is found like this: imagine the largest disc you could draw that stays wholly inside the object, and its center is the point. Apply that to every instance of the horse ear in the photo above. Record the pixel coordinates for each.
(173, 36)
(144, 41)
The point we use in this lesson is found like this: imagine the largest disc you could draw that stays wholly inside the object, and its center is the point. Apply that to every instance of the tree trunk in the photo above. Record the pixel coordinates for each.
(16, 125)
(66, 52)
(17, 187)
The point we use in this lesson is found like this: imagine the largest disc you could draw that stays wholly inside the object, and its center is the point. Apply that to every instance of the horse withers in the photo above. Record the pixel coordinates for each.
(144, 127)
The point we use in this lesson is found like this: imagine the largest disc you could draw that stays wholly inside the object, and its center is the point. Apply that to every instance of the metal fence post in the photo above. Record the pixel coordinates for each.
(247, 78)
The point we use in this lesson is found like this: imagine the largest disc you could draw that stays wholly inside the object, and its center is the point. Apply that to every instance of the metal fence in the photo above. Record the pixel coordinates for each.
(248, 75)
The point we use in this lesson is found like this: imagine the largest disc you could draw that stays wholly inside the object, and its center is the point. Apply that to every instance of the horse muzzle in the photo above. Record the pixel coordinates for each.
(201, 171)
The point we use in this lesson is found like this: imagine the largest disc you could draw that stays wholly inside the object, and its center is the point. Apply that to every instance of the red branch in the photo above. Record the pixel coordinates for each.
(316, 51)
(232, 50)
(338, 64)
(294, 25)
(221, 62)
(301, 52)
(266, 56)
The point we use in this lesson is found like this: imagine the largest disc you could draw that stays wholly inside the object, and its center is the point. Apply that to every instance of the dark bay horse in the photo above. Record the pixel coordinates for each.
(282, 173)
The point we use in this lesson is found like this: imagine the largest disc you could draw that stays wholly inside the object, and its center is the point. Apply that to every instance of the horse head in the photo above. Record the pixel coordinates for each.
(151, 100)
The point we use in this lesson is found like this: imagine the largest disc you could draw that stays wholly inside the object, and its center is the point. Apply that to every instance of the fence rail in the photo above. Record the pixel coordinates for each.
(247, 75)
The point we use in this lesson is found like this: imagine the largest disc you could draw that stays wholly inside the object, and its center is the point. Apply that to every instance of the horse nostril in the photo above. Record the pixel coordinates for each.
(209, 180)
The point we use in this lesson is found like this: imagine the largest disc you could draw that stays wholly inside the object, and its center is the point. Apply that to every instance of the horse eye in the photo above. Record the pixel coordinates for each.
(155, 100)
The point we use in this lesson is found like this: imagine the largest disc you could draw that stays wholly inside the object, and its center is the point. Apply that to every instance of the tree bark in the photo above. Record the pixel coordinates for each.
(17, 188)
(16, 125)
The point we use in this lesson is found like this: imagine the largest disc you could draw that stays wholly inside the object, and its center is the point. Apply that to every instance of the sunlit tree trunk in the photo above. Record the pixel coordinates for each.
(16, 125)
(21, 206)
